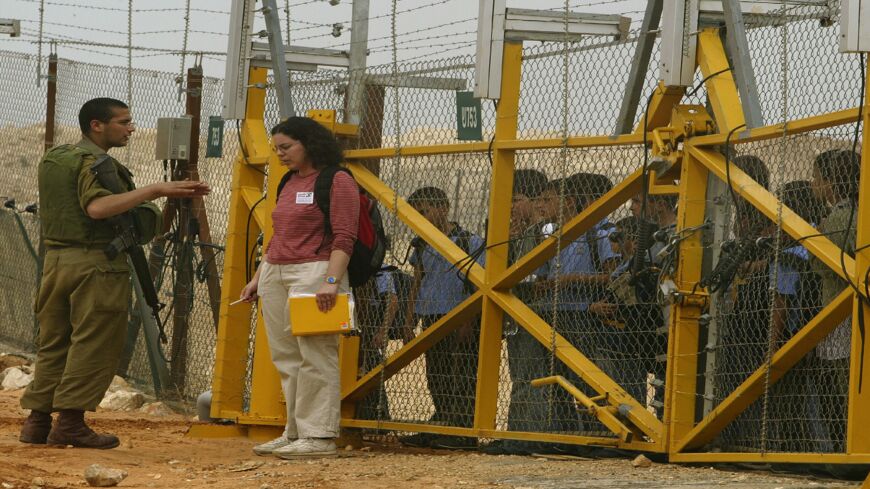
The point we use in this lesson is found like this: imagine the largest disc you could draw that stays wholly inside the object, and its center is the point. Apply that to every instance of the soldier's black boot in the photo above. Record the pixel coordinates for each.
(35, 428)
(70, 429)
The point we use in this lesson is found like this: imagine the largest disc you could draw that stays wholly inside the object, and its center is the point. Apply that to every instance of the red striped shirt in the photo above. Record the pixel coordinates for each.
(300, 235)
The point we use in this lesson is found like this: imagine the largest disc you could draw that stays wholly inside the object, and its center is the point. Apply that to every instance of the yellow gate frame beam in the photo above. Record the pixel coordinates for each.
(231, 353)
(574, 359)
(679, 431)
(857, 436)
(721, 89)
(820, 246)
(683, 330)
(753, 387)
(572, 230)
(496, 275)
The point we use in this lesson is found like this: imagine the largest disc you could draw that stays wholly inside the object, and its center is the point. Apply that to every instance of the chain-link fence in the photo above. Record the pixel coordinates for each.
(620, 322)
(601, 292)
(772, 285)
(155, 95)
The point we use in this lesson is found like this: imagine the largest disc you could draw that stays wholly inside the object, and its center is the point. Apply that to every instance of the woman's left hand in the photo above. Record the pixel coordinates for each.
(326, 297)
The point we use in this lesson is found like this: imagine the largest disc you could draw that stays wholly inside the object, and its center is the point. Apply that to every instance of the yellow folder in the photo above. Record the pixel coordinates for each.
(306, 319)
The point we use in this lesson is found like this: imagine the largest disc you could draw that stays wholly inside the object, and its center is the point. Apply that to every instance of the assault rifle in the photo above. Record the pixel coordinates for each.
(127, 238)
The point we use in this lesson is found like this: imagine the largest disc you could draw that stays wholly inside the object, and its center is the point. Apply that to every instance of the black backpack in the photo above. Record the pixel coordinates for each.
(369, 249)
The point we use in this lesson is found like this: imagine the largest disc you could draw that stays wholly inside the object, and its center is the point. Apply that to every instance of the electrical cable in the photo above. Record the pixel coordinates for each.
(644, 226)
(253, 207)
(853, 198)
(643, 239)
(728, 165)
(701, 83)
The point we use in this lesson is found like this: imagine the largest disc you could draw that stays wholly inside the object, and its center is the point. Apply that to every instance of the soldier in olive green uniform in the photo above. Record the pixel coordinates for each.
(835, 180)
(83, 297)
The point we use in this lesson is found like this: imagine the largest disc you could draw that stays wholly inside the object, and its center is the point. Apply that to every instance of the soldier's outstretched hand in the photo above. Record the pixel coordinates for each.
(183, 188)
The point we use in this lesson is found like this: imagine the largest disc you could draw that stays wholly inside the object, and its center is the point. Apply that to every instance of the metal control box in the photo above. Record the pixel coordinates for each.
(854, 26)
(11, 27)
(173, 138)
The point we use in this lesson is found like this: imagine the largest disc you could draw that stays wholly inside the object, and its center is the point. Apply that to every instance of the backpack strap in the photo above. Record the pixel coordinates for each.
(284, 179)
(592, 243)
(323, 191)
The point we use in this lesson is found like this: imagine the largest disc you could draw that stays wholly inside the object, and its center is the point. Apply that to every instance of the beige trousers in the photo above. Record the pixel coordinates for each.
(308, 365)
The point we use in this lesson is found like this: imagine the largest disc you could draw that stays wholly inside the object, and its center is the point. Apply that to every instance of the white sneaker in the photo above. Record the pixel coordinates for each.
(270, 446)
(307, 447)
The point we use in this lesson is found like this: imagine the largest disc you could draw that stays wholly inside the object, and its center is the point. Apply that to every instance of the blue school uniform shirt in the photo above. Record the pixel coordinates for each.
(787, 282)
(384, 283)
(576, 258)
(442, 288)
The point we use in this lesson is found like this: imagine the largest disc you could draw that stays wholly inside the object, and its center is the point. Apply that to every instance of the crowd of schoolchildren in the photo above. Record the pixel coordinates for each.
(601, 292)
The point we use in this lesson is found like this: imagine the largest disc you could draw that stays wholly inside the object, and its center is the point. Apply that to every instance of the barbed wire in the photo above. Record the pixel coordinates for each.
(73, 26)
(412, 9)
(39, 48)
(446, 24)
(299, 4)
(142, 33)
(95, 51)
(178, 9)
(116, 9)
(64, 4)
(75, 42)
(375, 49)
(184, 46)
(443, 51)
(29, 36)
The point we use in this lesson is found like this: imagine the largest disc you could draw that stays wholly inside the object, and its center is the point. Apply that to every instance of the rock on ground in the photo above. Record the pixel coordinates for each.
(15, 378)
(7, 360)
(641, 462)
(156, 409)
(119, 384)
(126, 400)
(99, 476)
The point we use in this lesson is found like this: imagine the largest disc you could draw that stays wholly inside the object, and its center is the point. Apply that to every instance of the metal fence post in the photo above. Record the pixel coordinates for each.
(201, 224)
(501, 194)
(50, 101)
(857, 438)
(682, 369)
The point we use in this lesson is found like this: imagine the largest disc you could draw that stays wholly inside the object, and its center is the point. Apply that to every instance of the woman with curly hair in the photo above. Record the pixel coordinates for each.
(306, 255)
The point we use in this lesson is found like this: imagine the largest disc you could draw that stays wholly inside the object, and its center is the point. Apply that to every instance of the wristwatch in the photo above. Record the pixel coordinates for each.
(331, 280)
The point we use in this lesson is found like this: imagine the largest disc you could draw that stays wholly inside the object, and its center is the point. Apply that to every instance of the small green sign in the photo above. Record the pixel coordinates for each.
(468, 125)
(215, 147)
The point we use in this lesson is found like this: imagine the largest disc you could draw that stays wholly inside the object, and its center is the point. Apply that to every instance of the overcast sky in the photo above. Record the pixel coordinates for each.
(426, 28)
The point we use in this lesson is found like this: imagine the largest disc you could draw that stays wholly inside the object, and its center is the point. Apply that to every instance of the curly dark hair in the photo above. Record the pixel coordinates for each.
(798, 196)
(755, 167)
(433, 196)
(529, 182)
(842, 169)
(320, 145)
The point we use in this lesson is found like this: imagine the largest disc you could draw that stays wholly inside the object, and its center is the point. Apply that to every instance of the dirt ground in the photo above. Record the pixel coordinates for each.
(157, 454)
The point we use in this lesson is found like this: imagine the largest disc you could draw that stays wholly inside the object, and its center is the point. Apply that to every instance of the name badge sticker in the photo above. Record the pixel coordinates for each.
(304, 197)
